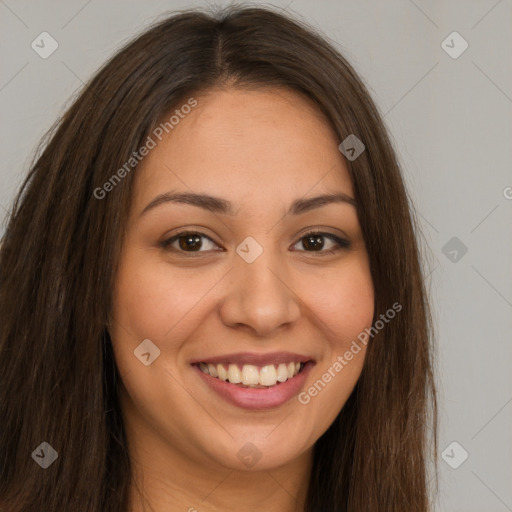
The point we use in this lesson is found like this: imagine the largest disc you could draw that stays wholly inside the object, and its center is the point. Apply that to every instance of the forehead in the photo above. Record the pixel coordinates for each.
(247, 145)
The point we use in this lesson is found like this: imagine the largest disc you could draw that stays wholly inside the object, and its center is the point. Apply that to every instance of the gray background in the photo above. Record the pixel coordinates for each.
(452, 125)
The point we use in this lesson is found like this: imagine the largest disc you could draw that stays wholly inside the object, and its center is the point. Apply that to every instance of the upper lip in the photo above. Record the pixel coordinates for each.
(255, 359)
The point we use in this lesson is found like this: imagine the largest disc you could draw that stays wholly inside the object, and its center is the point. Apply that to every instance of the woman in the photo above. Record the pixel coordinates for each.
(176, 334)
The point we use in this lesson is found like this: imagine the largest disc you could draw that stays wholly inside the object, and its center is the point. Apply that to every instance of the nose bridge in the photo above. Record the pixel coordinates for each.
(259, 296)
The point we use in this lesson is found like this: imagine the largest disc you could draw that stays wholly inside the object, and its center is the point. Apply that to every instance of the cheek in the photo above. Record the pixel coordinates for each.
(343, 310)
(345, 305)
(152, 302)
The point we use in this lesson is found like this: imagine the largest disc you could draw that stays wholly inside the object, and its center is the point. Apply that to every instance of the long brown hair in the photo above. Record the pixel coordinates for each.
(58, 263)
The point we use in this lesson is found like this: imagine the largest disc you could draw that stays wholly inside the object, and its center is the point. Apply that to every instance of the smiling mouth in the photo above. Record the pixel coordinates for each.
(252, 376)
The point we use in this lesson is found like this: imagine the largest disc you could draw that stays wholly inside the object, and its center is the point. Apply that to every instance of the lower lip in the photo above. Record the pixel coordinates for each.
(257, 398)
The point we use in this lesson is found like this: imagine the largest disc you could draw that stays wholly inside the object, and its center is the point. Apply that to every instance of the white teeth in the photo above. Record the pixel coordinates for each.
(221, 372)
(234, 374)
(268, 375)
(251, 375)
(212, 370)
(282, 373)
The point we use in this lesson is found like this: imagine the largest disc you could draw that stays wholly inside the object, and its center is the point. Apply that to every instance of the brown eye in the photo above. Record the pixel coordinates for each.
(187, 242)
(314, 242)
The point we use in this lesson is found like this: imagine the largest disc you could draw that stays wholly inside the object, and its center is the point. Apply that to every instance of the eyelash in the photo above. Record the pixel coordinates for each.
(341, 242)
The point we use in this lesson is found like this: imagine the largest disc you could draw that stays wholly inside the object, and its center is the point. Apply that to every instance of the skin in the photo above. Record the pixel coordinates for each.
(260, 149)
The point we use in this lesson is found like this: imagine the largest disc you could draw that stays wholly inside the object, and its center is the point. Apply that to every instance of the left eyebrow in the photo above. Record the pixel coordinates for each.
(220, 205)
(305, 205)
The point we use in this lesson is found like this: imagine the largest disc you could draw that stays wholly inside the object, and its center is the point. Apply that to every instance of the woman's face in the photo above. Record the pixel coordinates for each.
(249, 290)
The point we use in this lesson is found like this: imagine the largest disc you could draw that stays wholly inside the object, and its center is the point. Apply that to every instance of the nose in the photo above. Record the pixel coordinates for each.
(260, 298)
